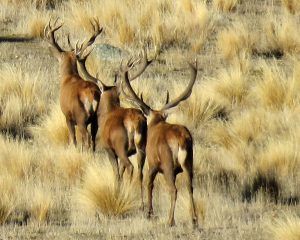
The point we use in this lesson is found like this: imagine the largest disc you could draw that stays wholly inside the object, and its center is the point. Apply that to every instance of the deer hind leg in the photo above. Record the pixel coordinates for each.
(85, 136)
(71, 128)
(94, 130)
(189, 178)
(187, 168)
(170, 181)
(150, 179)
(124, 162)
(140, 156)
(114, 162)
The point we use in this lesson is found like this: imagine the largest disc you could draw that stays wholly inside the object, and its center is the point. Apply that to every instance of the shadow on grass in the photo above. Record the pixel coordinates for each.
(16, 38)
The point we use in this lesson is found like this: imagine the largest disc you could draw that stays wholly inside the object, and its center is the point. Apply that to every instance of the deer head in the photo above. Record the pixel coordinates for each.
(154, 116)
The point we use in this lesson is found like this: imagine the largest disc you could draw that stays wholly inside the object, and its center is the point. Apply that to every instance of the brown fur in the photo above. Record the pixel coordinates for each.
(169, 148)
(122, 133)
(163, 143)
(74, 93)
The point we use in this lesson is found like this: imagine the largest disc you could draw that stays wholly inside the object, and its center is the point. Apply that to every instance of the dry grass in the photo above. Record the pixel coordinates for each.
(157, 23)
(276, 90)
(21, 99)
(225, 5)
(101, 192)
(285, 228)
(281, 34)
(236, 41)
(52, 127)
(243, 114)
(293, 6)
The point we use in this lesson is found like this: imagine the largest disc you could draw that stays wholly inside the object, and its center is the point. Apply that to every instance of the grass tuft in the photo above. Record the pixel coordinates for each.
(285, 228)
(101, 192)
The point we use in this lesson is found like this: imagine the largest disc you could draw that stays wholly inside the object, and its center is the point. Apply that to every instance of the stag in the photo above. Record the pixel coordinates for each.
(123, 131)
(169, 148)
(79, 99)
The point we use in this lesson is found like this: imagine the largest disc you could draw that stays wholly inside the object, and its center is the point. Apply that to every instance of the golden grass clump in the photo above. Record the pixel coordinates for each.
(16, 158)
(280, 158)
(70, 162)
(225, 5)
(284, 228)
(281, 34)
(276, 90)
(236, 41)
(35, 23)
(232, 85)
(7, 201)
(52, 127)
(159, 23)
(40, 204)
(22, 99)
(293, 6)
(200, 108)
(100, 192)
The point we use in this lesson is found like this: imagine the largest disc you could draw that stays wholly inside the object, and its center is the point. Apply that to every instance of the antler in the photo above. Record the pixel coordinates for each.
(132, 96)
(145, 62)
(82, 54)
(81, 59)
(97, 31)
(49, 34)
(187, 92)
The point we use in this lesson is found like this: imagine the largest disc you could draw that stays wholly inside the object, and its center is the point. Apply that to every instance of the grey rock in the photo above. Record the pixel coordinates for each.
(109, 53)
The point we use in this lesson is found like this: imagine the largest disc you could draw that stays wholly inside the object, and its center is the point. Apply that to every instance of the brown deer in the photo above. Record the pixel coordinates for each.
(169, 148)
(79, 99)
(123, 131)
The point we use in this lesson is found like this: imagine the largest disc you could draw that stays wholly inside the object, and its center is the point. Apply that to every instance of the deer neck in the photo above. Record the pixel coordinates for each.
(68, 68)
(108, 103)
(154, 119)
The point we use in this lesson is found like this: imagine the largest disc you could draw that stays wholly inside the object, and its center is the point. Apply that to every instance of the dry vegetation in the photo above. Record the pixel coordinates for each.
(243, 113)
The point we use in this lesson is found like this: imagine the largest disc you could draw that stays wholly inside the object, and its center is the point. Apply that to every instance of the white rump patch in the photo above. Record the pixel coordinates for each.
(182, 153)
(87, 105)
(95, 104)
(137, 137)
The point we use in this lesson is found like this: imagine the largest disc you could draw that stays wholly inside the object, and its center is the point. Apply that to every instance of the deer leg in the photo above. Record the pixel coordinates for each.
(170, 180)
(124, 162)
(189, 178)
(140, 162)
(94, 130)
(71, 128)
(114, 162)
(151, 176)
(85, 136)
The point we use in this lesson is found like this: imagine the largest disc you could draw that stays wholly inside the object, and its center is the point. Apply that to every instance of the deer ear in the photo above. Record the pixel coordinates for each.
(165, 115)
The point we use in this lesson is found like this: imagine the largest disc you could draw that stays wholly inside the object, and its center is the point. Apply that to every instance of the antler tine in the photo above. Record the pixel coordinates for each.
(132, 96)
(187, 92)
(97, 31)
(69, 43)
(168, 97)
(145, 62)
(49, 32)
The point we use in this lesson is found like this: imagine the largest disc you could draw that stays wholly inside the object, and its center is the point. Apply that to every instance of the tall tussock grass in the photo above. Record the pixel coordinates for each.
(22, 99)
(158, 23)
(225, 5)
(103, 194)
(280, 34)
(286, 227)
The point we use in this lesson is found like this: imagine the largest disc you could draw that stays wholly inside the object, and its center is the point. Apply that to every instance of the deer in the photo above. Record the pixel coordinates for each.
(79, 99)
(169, 147)
(122, 131)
